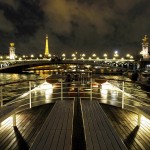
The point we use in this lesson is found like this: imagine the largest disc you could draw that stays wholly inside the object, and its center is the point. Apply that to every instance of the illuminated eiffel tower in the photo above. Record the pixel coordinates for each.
(46, 47)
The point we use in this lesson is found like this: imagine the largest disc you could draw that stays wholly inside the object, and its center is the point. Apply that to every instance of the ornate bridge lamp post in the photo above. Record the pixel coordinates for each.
(116, 55)
(94, 56)
(73, 56)
(82, 56)
(128, 57)
(40, 56)
(32, 56)
(105, 56)
(63, 56)
(1, 57)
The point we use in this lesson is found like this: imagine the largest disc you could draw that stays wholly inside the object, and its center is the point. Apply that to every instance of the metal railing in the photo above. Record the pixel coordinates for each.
(27, 94)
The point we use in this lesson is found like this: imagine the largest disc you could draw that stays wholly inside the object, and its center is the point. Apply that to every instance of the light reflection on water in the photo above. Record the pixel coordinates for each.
(13, 91)
(7, 77)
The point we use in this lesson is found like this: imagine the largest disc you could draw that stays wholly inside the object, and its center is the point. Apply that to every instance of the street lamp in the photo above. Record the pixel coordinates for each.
(128, 55)
(40, 55)
(32, 56)
(105, 56)
(73, 55)
(74, 58)
(131, 57)
(116, 54)
(63, 55)
(83, 55)
(90, 58)
(94, 55)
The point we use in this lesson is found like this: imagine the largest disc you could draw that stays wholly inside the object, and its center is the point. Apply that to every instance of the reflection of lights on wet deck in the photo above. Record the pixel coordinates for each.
(8, 122)
(46, 86)
(145, 121)
(48, 90)
(105, 87)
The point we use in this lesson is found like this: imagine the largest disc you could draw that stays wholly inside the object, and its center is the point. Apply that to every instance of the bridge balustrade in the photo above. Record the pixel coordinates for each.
(105, 63)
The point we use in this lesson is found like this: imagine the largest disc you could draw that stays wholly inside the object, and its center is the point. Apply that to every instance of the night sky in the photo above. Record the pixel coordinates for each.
(85, 26)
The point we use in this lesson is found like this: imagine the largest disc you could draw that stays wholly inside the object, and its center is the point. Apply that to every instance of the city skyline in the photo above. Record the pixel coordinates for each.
(83, 25)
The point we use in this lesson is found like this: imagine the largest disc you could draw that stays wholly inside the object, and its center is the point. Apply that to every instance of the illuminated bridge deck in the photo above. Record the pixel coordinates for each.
(30, 121)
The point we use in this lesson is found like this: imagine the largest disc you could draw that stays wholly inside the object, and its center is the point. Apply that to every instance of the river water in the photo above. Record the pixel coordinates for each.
(9, 77)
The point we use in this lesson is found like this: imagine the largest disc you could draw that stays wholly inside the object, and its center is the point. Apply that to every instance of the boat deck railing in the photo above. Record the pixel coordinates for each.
(32, 93)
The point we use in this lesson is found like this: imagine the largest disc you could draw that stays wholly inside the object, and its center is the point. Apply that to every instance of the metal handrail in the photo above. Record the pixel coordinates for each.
(29, 98)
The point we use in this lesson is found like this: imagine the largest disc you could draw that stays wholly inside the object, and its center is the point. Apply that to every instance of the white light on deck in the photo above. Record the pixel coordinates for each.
(46, 86)
(107, 86)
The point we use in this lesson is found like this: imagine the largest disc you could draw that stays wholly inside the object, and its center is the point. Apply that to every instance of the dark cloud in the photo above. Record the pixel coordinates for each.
(82, 25)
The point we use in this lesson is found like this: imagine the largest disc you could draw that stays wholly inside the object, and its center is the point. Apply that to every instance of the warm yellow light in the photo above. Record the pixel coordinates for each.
(12, 44)
(83, 55)
(74, 58)
(40, 55)
(63, 55)
(32, 55)
(105, 55)
(73, 55)
(131, 57)
(94, 55)
(128, 55)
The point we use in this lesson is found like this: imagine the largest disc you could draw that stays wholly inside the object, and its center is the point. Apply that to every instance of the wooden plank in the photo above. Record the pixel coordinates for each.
(51, 117)
(92, 129)
(61, 141)
(68, 140)
(117, 143)
(101, 131)
(55, 131)
(101, 124)
(98, 131)
(55, 140)
(49, 140)
(89, 143)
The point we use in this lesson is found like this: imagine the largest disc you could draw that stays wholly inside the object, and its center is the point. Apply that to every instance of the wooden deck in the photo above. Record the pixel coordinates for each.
(125, 123)
(29, 122)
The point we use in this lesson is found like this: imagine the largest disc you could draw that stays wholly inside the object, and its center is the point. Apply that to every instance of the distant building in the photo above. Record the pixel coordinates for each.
(46, 47)
(145, 50)
(12, 51)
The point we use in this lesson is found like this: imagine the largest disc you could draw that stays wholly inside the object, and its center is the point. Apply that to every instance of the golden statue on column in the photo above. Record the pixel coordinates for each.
(145, 46)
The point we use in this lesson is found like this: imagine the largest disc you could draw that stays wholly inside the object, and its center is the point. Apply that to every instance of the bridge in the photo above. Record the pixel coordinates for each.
(22, 65)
